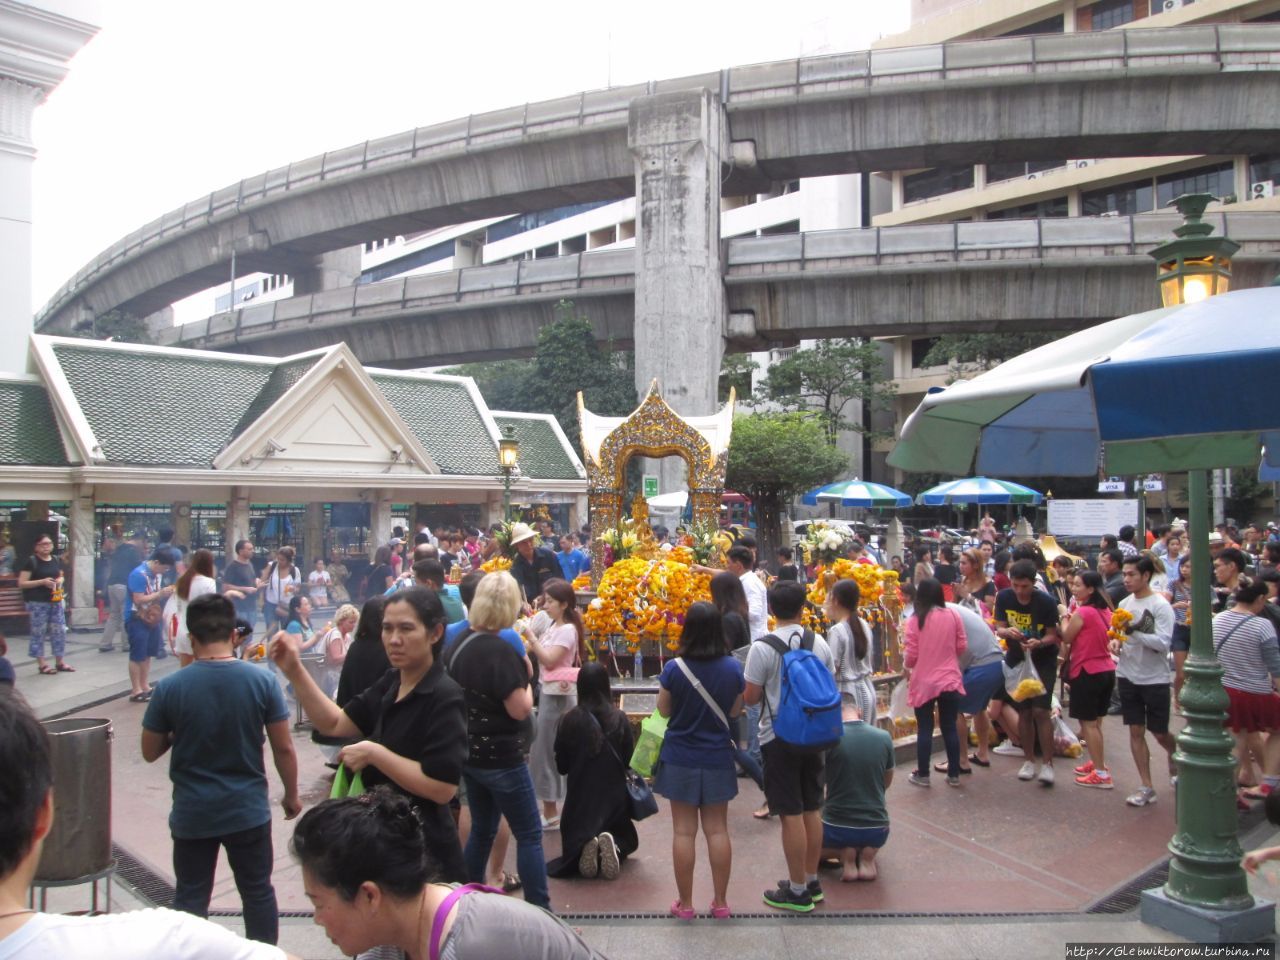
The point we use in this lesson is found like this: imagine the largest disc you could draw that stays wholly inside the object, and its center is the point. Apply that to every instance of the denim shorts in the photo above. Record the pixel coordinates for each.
(837, 838)
(980, 685)
(144, 641)
(694, 785)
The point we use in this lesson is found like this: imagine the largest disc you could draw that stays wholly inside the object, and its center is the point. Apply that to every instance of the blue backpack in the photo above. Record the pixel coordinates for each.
(807, 718)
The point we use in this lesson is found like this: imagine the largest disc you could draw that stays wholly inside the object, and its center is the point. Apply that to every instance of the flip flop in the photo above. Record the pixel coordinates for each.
(511, 882)
(973, 758)
(48, 671)
(762, 814)
(941, 767)
(66, 668)
(140, 697)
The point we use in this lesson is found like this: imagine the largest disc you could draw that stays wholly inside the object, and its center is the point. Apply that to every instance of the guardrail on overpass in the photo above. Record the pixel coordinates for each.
(919, 247)
(1183, 50)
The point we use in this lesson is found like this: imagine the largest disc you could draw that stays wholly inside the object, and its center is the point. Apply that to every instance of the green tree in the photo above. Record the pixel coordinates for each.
(967, 354)
(773, 457)
(567, 359)
(826, 378)
(115, 325)
(736, 371)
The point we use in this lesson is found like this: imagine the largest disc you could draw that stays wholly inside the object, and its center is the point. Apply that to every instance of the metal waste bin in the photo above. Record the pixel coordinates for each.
(79, 846)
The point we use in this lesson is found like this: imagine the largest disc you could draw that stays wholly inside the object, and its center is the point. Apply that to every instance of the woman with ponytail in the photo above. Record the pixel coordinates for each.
(850, 642)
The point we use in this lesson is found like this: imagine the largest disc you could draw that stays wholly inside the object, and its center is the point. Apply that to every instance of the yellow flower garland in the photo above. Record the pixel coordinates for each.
(646, 600)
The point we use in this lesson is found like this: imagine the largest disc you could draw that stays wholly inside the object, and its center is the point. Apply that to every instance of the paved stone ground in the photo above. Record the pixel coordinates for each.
(995, 846)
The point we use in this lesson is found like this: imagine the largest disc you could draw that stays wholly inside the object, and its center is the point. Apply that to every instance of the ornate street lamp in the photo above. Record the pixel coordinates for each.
(1196, 265)
(508, 457)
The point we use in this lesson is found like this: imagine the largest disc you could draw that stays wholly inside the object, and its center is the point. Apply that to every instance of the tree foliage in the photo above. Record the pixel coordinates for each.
(826, 378)
(967, 354)
(735, 371)
(115, 325)
(773, 457)
(567, 359)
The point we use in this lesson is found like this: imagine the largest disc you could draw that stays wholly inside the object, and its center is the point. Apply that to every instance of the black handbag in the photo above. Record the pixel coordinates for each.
(641, 802)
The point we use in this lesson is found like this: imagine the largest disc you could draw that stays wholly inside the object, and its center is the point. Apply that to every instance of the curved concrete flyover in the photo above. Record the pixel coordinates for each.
(1198, 89)
(919, 279)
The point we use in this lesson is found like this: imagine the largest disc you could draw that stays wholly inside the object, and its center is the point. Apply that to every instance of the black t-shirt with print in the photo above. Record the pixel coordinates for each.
(1034, 618)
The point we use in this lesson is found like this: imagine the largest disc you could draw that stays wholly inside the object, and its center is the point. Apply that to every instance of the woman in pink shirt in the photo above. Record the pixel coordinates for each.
(935, 639)
(1091, 671)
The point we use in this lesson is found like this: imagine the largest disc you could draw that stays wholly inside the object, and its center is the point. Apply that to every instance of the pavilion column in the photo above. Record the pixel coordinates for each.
(180, 521)
(38, 510)
(313, 537)
(381, 523)
(492, 512)
(81, 609)
(677, 139)
(237, 522)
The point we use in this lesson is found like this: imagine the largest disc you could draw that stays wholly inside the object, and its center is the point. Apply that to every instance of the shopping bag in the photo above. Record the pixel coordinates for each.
(1065, 742)
(1022, 682)
(346, 783)
(900, 711)
(652, 730)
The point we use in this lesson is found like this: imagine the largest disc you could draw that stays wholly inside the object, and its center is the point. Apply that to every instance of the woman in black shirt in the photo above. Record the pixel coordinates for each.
(41, 581)
(414, 719)
(729, 597)
(366, 660)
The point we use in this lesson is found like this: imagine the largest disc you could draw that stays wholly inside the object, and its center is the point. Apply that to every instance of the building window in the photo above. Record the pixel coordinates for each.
(1262, 168)
(1218, 180)
(920, 348)
(790, 226)
(1111, 13)
(1016, 171)
(1052, 207)
(936, 182)
(1122, 199)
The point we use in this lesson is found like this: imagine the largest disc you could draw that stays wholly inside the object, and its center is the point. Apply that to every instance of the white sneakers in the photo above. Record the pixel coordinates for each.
(1007, 749)
(1028, 771)
(1046, 775)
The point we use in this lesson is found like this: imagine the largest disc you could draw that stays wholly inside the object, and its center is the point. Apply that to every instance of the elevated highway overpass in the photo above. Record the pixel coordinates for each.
(921, 279)
(1196, 89)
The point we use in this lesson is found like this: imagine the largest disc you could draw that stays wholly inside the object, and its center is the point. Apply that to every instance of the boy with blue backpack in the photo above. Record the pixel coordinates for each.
(791, 673)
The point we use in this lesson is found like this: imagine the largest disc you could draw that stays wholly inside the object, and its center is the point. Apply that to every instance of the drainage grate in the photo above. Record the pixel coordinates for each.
(1129, 896)
(144, 881)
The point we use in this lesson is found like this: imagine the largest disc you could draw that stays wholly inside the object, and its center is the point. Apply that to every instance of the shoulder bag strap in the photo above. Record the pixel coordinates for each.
(1230, 633)
(442, 914)
(702, 692)
(604, 736)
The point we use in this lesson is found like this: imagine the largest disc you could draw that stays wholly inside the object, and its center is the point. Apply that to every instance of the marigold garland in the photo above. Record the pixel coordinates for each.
(877, 590)
(496, 563)
(646, 600)
(1120, 620)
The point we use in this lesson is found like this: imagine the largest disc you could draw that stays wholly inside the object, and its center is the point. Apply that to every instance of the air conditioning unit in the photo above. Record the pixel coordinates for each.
(1081, 164)
(1167, 5)
(1109, 213)
(1263, 188)
(1032, 176)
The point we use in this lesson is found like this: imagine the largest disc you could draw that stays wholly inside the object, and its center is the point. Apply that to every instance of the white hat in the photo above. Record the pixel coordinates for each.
(521, 532)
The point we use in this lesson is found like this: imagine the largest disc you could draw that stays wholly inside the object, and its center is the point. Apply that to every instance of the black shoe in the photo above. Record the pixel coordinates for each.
(784, 899)
(814, 887)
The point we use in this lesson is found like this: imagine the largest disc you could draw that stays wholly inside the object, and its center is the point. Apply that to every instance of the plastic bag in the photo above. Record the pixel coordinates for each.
(900, 711)
(1065, 742)
(1022, 682)
(346, 783)
(653, 729)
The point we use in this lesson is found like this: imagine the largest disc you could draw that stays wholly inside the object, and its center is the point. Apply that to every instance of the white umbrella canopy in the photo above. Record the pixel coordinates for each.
(1180, 388)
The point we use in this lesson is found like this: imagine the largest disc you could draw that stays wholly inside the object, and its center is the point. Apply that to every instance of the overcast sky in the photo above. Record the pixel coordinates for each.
(176, 98)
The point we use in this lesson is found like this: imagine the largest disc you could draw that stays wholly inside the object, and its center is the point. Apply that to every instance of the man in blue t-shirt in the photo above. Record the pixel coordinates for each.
(143, 633)
(573, 559)
(213, 714)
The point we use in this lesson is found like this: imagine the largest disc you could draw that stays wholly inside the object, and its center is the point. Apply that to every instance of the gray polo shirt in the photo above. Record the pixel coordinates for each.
(764, 668)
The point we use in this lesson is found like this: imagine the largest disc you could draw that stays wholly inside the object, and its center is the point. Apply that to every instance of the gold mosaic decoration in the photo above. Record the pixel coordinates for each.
(652, 430)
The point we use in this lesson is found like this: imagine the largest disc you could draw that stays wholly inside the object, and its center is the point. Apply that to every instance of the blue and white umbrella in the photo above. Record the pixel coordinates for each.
(1180, 388)
(857, 493)
(981, 490)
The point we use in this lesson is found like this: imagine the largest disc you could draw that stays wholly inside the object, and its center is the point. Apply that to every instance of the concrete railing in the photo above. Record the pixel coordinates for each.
(1004, 60)
(613, 271)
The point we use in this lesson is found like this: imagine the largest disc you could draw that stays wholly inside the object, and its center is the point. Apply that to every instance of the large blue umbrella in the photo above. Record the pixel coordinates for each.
(981, 490)
(1182, 388)
(857, 493)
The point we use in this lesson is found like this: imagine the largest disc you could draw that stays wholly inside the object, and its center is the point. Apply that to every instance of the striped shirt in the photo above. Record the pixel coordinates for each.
(1248, 651)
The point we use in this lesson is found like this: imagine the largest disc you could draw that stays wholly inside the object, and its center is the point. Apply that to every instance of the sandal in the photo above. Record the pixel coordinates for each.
(511, 882)
(66, 668)
(762, 814)
(48, 671)
(973, 758)
(941, 767)
(140, 697)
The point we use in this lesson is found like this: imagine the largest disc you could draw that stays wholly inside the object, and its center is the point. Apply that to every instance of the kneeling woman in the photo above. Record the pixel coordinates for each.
(414, 718)
(371, 881)
(592, 749)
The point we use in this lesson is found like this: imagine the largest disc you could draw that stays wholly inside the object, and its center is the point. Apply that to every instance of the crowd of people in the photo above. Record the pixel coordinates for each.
(474, 714)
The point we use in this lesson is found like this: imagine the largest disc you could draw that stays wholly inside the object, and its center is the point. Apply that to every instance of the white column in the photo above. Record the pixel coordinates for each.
(81, 610)
(17, 155)
(381, 522)
(237, 522)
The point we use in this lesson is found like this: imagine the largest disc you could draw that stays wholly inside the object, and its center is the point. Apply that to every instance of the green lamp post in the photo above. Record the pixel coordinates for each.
(1205, 871)
(508, 457)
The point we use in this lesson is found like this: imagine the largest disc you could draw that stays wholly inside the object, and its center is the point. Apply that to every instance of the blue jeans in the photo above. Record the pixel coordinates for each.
(753, 735)
(249, 853)
(948, 703)
(506, 793)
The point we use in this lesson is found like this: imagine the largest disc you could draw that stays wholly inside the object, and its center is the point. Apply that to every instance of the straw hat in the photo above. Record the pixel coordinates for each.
(521, 532)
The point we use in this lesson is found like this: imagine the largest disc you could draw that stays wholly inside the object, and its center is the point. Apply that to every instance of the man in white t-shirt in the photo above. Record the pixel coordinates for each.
(1142, 674)
(318, 584)
(26, 934)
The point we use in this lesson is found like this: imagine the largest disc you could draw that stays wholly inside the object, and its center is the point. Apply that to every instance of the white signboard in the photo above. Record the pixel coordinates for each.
(1090, 518)
(1153, 483)
(1111, 485)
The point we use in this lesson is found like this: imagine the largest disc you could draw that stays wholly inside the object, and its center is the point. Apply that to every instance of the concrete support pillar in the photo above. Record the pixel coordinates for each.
(381, 524)
(236, 526)
(180, 520)
(337, 268)
(81, 609)
(38, 510)
(492, 512)
(17, 154)
(677, 140)
(313, 537)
